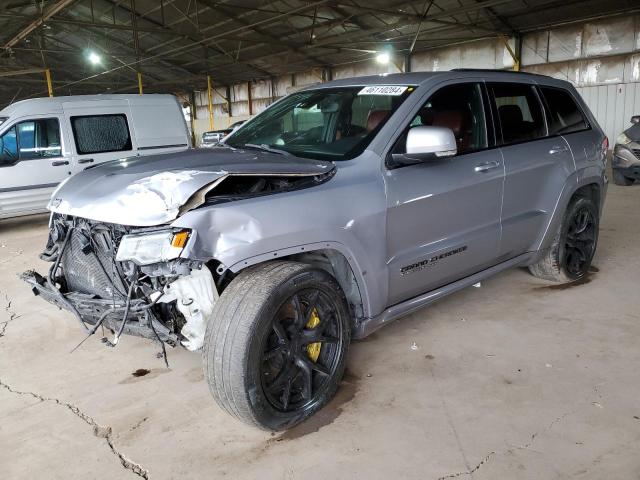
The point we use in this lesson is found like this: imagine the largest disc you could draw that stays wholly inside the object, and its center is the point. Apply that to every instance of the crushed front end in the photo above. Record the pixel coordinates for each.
(126, 280)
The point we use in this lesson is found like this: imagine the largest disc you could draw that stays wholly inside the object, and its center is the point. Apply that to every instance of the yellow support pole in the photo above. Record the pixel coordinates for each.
(399, 66)
(139, 83)
(516, 60)
(210, 94)
(47, 74)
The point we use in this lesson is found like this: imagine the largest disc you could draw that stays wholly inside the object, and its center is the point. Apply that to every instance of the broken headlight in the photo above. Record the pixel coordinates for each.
(623, 139)
(153, 247)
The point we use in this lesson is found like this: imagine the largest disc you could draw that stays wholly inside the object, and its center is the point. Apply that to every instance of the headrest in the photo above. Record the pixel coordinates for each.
(452, 119)
(374, 119)
(510, 115)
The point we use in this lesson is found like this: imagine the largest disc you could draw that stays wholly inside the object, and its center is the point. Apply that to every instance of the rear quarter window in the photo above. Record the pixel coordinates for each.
(101, 133)
(564, 114)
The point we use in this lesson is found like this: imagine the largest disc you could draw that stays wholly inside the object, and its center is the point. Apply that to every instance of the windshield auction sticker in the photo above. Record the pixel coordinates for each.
(392, 90)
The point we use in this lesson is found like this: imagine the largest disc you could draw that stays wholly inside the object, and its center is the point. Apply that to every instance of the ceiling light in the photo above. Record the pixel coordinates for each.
(383, 58)
(94, 58)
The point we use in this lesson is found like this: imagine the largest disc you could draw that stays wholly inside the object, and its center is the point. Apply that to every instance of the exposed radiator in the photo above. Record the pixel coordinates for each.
(89, 267)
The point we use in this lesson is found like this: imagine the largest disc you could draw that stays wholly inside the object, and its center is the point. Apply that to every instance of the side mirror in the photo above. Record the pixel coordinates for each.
(635, 119)
(426, 144)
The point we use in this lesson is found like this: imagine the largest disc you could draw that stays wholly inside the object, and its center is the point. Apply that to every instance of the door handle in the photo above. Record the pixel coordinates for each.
(484, 167)
(60, 163)
(558, 149)
(85, 160)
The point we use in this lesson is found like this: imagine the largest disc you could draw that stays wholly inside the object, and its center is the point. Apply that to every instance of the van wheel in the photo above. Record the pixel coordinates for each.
(620, 179)
(571, 253)
(276, 345)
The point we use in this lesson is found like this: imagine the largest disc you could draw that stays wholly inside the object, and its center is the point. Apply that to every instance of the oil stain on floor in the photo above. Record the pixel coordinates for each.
(143, 374)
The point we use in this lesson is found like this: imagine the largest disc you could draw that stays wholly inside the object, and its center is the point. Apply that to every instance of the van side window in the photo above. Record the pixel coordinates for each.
(460, 108)
(39, 139)
(565, 116)
(101, 133)
(519, 112)
(30, 140)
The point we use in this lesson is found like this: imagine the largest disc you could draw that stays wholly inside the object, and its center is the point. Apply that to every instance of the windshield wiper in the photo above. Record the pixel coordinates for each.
(266, 148)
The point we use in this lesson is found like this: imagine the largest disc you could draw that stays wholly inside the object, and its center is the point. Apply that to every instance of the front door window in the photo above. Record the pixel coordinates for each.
(459, 108)
(31, 140)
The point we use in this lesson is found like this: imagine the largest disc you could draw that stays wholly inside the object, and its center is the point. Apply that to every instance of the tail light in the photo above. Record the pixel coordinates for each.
(605, 149)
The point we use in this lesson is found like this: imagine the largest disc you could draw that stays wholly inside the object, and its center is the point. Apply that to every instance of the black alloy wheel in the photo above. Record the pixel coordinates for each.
(580, 242)
(302, 352)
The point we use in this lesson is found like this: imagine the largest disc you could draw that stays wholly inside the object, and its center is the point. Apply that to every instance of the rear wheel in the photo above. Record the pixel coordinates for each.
(571, 253)
(275, 349)
(620, 179)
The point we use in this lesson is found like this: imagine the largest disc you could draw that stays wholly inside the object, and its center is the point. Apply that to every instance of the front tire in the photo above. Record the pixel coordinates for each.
(276, 345)
(574, 245)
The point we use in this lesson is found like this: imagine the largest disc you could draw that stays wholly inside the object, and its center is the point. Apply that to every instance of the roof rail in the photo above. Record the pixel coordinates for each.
(492, 70)
(484, 70)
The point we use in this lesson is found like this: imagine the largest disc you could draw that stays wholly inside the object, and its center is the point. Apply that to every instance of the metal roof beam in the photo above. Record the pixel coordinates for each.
(224, 11)
(342, 38)
(39, 20)
(185, 36)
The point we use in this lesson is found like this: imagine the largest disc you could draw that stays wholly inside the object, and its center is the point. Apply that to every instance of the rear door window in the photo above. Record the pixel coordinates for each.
(101, 133)
(519, 112)
(564, 114)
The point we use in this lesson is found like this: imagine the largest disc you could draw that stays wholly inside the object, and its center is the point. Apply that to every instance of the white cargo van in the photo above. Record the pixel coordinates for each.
(45, 140)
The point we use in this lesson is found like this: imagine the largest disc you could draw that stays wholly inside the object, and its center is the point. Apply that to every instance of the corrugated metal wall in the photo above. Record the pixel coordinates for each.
(613, 106)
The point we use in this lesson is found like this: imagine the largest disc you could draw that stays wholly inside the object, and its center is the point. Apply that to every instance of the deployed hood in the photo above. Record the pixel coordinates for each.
(152, 190)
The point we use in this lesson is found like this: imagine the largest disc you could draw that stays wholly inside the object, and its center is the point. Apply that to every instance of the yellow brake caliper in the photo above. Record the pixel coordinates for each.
(313, 349)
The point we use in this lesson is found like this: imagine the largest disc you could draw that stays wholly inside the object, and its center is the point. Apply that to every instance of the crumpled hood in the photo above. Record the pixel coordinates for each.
(146, 191)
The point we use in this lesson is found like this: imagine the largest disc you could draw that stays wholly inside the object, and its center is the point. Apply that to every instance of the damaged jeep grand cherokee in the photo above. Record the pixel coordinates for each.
(336, 210)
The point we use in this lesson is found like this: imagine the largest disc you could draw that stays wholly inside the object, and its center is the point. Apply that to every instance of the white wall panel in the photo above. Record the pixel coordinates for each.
(481, 54)
(535, 47)
(613, 105)
(565, 43)
(609, 36)
(369, 67)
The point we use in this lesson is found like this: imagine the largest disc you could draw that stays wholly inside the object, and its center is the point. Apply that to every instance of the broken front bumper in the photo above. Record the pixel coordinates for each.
(140, 319)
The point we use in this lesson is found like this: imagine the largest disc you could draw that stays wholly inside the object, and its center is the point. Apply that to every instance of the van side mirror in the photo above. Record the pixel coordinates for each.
(635, 119)
(426, 144)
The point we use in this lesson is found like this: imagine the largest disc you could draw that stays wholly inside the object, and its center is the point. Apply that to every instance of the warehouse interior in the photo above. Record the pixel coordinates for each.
(514, 379)
(253, 53)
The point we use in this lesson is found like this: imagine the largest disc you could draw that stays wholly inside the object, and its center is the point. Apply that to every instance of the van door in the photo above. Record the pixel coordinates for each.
(33, 161)
(158, 124)
(100, 133)
(443, 216)
(536, 166)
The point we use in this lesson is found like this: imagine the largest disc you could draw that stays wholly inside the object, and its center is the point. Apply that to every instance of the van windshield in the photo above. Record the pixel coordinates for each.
(324, 124)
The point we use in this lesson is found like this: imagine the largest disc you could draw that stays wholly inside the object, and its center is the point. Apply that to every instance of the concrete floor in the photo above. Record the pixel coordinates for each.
(513, 380)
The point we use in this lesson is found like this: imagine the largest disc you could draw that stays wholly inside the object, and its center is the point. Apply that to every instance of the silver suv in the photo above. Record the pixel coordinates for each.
(338, 209)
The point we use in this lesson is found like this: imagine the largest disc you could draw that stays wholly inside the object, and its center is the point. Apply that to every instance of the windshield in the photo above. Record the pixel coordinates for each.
(324, 124)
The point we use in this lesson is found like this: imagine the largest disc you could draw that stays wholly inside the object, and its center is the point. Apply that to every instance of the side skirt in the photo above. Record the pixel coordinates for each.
(369, 325)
